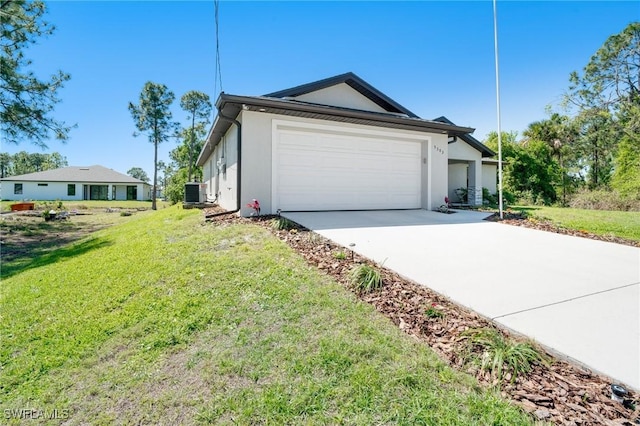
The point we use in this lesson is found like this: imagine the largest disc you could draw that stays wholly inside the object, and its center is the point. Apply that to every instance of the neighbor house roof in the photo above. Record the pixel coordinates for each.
(475, 143)
(398, 117)
(90, 174)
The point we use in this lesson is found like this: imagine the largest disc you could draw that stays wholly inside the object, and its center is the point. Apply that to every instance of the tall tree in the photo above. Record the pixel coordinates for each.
(198, 107)
(607, 96)
(138, 173)
(5, 165)
(26, 102)
(153, 117)
(559, 132)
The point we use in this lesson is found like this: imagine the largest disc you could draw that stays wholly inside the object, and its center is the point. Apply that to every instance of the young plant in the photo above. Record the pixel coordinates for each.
(365, 278)
(500, 354)
(433, 312)
(340, 255)
(282, 223)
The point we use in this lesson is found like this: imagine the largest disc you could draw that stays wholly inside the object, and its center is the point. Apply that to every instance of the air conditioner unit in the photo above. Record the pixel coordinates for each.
(195, 192)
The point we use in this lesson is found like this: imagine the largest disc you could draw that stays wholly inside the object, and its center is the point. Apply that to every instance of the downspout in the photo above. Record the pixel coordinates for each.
(239, 167)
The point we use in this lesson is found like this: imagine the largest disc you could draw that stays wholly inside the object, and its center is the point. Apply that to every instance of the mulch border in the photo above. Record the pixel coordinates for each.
(562, 392)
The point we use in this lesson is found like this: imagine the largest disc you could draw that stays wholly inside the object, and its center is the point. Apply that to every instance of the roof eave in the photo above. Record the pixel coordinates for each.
(343, 112)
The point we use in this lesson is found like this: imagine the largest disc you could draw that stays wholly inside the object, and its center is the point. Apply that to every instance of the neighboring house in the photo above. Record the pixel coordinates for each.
(74, 183)
(470, 167)
(334, 144)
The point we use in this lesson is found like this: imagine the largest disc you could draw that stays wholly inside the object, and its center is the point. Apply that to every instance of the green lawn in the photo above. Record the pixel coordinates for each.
(90, 204)
(618, 223)
(164, 320)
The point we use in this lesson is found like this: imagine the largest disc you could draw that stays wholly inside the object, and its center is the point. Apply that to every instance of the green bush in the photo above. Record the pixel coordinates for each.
(603, 200)
(500, 354)
(489, 198)
(365, 278)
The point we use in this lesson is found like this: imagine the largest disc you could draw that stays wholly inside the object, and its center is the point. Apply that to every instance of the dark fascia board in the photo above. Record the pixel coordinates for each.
(418, 123)
(231, 105)
(473, 142)
(218, 129)
(352, 80)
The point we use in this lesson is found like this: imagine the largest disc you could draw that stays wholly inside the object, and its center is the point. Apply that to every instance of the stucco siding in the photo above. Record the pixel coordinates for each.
(221, 170)
(490, 177)
(438, 170)
(457, 179)
(34, 191)
(341, 95)
(258, 132)
(460, 150)
(47, 191)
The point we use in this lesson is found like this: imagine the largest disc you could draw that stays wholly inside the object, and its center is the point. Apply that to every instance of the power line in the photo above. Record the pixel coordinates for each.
(218, 69)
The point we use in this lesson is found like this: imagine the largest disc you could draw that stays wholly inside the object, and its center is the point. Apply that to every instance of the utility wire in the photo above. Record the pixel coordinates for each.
(218, 68)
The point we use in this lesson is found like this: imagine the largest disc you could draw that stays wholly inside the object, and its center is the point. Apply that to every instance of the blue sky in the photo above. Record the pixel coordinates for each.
(435, 58)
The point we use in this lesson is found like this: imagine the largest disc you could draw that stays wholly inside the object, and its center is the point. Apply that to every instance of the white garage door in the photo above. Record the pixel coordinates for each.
(316, 170)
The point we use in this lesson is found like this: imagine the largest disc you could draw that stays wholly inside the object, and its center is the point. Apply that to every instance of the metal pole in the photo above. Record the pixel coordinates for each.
(495, 39)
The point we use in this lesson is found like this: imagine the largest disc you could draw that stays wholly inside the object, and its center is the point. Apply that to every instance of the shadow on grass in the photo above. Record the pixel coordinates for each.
(527, 210)
(36, 260)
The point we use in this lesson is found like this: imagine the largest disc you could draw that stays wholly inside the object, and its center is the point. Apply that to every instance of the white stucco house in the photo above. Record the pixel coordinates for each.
(333, 144)
(471, 167)
(74, 183)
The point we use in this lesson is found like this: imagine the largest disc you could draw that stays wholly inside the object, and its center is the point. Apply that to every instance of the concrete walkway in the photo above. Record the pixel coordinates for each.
(577, 296)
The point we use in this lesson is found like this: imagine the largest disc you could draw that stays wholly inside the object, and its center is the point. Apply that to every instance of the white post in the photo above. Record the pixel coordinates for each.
(495, 39)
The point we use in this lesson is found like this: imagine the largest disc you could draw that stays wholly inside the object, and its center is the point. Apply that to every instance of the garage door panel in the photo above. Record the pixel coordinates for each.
(323, 171)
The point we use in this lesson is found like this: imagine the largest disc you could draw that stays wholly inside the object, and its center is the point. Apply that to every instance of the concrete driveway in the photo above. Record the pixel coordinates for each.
(577, 296)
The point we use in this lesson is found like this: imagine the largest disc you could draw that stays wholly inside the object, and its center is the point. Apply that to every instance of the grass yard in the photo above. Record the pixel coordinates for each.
(89, 204)
(164, 320)
(619, 223)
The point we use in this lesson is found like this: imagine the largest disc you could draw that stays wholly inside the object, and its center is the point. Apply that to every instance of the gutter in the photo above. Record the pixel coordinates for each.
(416, 123)
(239, 167)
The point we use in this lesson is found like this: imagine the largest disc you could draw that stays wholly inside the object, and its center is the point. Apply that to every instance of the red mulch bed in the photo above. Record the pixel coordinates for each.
(560, 393)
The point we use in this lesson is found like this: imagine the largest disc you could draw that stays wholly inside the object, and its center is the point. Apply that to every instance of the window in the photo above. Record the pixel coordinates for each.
(132, 192)
(98, 192)
(71, 189)
(17, 188)
(43, 184)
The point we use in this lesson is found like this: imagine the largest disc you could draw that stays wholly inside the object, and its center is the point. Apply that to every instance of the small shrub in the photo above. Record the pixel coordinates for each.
(489, 198)
(125, 213)
(340, 255)
(282, 223)
(365, 278)
(314, 238)
(433, 312)
(500, 354)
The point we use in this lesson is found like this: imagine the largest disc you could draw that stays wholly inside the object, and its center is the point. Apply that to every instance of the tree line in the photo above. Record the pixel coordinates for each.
(593, 144)
(23, 162)
(153, 117)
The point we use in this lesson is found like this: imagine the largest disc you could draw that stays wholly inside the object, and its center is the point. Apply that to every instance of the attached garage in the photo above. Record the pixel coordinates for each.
(334, 144)
(329, 170)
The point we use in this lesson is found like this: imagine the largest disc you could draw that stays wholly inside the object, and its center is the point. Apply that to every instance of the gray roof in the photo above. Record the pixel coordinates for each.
(398, 117)
(90, 174)
(473, 142)
(353, 81)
